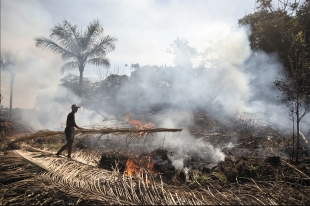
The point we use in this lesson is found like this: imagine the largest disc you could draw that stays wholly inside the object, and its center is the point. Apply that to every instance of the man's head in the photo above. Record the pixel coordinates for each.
(74, 108)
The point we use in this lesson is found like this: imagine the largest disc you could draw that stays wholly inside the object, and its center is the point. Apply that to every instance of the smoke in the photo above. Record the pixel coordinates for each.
(240, 80)
(226, 79)
(52, 107)
(20, 23)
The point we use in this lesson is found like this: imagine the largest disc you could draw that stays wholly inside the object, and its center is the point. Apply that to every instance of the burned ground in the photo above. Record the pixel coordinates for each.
(256, 170)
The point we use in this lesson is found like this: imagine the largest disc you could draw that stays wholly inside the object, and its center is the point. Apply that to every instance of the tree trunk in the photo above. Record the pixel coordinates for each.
(11, 93)
(293, 138)
(81, 69)
(297, 125)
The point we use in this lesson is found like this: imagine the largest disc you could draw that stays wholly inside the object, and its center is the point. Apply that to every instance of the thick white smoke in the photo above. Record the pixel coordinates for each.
(232, 80)
(240, 81)
(52, 107)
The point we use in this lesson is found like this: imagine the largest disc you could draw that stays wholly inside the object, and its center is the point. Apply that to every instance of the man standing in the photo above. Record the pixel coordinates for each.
(69, 131)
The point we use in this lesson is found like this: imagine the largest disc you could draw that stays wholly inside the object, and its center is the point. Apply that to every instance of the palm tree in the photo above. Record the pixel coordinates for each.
(10, 62)
(80, 48)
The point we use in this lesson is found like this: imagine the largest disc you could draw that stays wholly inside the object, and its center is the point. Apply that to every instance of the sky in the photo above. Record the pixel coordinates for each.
(144, 29)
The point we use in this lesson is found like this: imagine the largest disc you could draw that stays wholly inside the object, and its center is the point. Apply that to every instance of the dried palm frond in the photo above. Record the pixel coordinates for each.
(94, 183)
(134, 132)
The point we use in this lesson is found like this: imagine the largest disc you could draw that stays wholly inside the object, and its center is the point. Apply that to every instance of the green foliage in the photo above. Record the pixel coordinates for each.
(286, 31)
(198, 180)
(219, 176)
(280, 31)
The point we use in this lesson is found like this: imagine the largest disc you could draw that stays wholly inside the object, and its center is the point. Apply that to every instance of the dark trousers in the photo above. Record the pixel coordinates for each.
(69, 131)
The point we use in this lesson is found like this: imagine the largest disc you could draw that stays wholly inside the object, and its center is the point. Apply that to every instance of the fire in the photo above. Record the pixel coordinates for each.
(143, 163)
(137, 124)
(131, 168)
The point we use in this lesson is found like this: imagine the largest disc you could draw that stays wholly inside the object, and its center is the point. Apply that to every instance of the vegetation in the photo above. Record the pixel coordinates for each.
(79, 47)
(255, 169)
(285, 30)
(11, 63)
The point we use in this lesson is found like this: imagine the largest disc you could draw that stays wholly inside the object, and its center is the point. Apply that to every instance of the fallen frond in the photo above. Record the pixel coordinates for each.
(93, 183)
(138, 132)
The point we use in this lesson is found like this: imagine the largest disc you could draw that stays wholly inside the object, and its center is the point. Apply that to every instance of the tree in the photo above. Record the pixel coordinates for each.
(72, 82)
(11, 63)
(286, 31)
(183, 53)
(297, 100)
(80, 48)
(134, 66)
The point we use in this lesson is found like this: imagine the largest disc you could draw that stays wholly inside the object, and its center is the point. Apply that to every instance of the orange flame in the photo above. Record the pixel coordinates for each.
(144, 162)
(137, 124)
(131, 168)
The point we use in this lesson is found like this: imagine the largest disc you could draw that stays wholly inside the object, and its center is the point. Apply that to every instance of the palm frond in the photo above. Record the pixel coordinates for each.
(10, 62)
(67, 36)
(97, 52)
(105, 45)
(59, 33)
(93, 32)
(42, 42)
(76, 35)
(6, 60)
(69, 66)
(99, 61)
(62, 36)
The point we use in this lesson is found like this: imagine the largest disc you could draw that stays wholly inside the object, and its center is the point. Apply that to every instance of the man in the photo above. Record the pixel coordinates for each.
(69, 131)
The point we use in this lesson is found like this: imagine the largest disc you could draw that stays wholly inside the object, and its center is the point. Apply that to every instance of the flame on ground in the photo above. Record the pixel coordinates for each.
(134, 169)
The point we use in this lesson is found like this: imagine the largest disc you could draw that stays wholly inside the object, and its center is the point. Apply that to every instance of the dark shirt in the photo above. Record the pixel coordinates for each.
(71, 120)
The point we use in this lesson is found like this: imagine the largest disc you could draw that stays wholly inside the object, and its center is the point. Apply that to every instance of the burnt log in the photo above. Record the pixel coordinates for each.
(275, 160)
(184, 177)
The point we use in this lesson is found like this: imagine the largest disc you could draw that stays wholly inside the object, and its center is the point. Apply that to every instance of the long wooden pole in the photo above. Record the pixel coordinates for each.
(46, 133)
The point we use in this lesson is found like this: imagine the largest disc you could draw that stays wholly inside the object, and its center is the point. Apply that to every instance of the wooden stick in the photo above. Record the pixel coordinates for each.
(46, 133)
(127, 130)
(307, 177)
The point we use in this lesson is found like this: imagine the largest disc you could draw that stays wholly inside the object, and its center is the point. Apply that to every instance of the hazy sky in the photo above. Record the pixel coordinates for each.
(144, 29)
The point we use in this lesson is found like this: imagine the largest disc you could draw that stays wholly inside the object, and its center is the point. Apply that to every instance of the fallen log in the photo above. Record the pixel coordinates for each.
(126, 130)
(46, 133)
